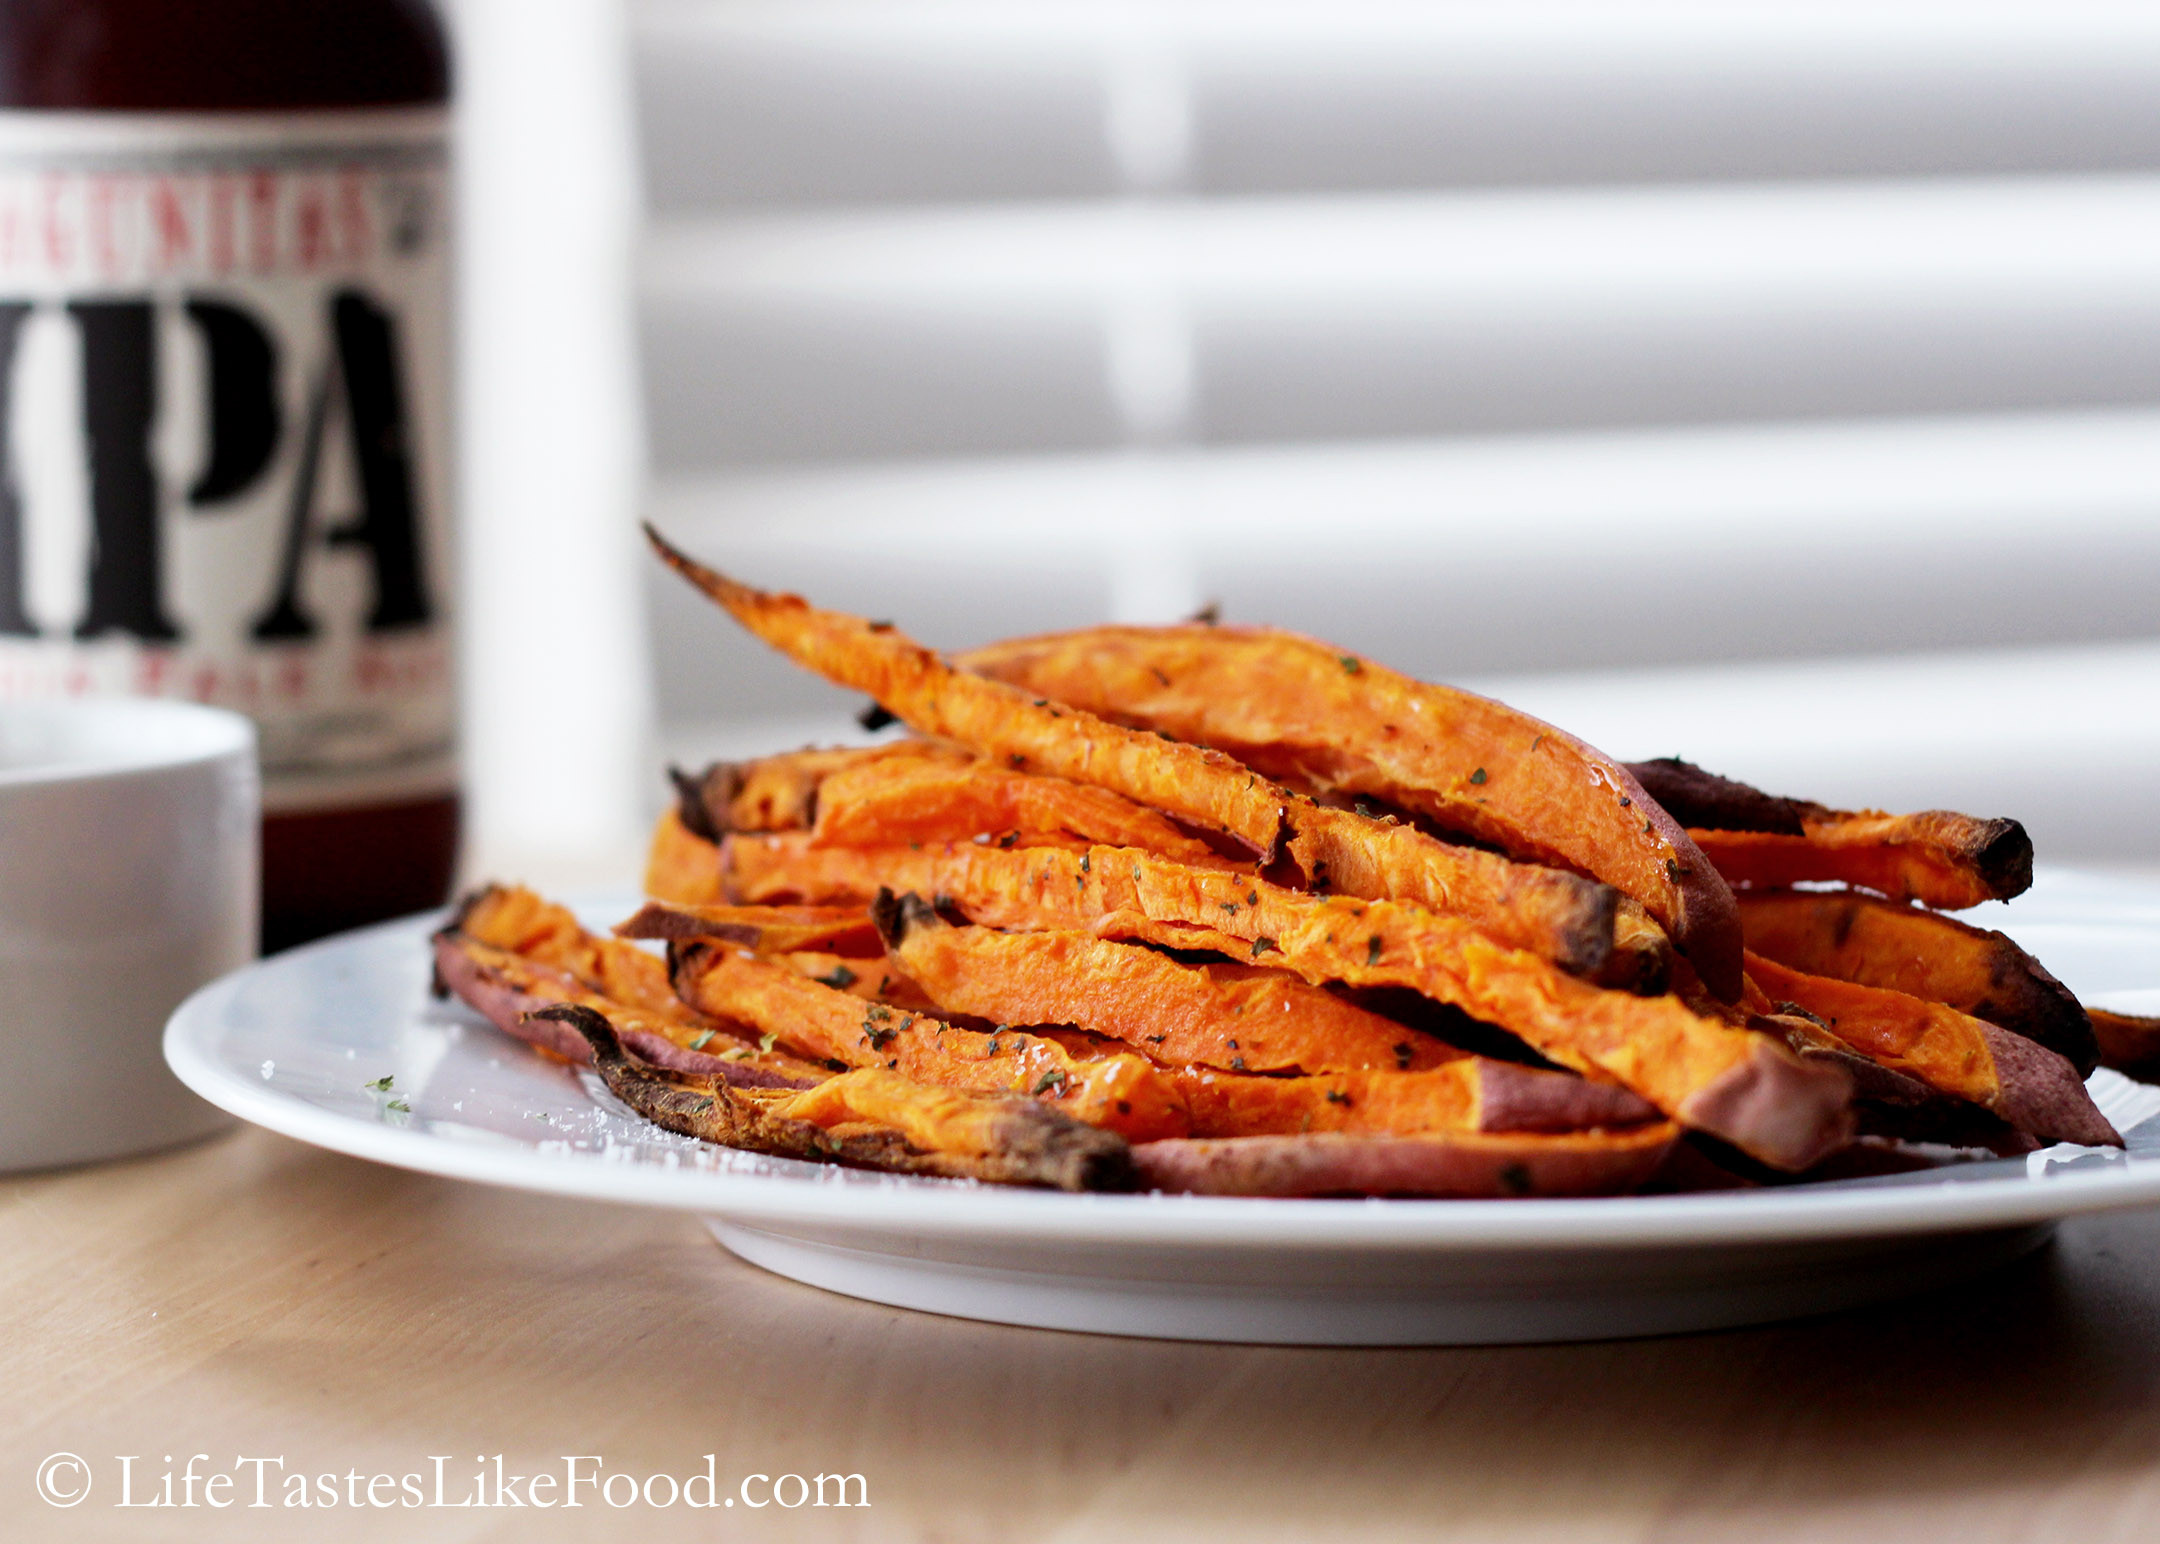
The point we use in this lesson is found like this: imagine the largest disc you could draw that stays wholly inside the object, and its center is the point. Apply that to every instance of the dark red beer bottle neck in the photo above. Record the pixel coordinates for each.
(220, 55)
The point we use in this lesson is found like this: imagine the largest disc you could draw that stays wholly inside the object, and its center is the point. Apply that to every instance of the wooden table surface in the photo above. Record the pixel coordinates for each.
(252, 1297)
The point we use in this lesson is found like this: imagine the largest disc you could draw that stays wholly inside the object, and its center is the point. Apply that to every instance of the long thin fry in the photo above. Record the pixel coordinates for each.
(508, 990)
(1744, 1087)
(2129, 1042)
(1124, 1094)
(945, 800)
(867, 1119)
(1511, 1166)
(1471, 1094)
(1022, 730)
(1561, 916)
(1320, 718)
(1937, 857)
(2030, 1087)
(1853, 937)
(1235, 1017)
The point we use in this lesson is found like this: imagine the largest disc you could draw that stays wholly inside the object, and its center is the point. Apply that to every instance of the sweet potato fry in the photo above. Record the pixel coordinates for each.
(1936, 857)
(1852, 937)
(1021, 729)
(1466, 1164)
(2032, 1088)
(1321, 719)
(508, 990)
(2129, 1042)
(1891, 1105)
(780, 793)
(866, 1119)
(873, 980)
(883, 804)
(784, 867)
(1472, 1093)
(789, 866)
(761, 929)
(1552, 913)
(681, 865)
(1123, 1093)
(1744, 1087)
(513, 918)
(1235, 1017)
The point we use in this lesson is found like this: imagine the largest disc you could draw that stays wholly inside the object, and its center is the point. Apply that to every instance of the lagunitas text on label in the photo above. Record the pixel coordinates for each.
(225, 398)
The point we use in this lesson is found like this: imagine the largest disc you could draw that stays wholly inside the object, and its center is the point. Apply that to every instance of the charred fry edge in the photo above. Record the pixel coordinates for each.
(1038, 1147)
(993, 718)
(1941, 959)
(1616, 833)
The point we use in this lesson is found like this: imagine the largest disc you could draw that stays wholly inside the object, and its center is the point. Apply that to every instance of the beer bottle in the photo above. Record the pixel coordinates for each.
(225, 406)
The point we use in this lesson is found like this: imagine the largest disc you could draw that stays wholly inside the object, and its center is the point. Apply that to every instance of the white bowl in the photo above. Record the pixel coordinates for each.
(129, 837)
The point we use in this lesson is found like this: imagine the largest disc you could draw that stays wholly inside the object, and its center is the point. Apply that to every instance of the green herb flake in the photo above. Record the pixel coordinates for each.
(1237, 1064)
(1053, 1080)
(1263, 945)
(703, 1036)
(1337, 1096)
(766, 1042)
(380, 1086)
(1372, 950)
(839, 978)
(1477, 778)
(1351, 663)
(1084, 868)
(400, 1106)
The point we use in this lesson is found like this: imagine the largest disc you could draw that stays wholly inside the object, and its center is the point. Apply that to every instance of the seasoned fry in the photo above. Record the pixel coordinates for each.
(1937, 857)
(780, 793)
(878, 805)
(1464, 1164)
(1744, 1087)
(1020, 729)
(2129, 1042)
(873, 980)
(1121, 1093)
(761, 929)
(1234, 1017)
(507, 990)
(1852, 937)
(1891, 1104)
(2032, 1088)
(1472, 1093)
(1322, 719)
(513, 918)
(866, 1119)
(1559, 916)
(681, 865)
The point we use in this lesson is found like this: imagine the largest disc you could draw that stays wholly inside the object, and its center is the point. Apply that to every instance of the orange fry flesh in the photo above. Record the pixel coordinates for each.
(1021, 730)
(1713, 1076)
(1315, 716)
(1124, 1093)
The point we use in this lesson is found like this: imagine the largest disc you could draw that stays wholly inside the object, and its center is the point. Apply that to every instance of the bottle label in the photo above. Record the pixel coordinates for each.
(224, 431)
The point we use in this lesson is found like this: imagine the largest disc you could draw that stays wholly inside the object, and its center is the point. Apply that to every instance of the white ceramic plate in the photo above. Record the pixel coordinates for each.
(295, 1042)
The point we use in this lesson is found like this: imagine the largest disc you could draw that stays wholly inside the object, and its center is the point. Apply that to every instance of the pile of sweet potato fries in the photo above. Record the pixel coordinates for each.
(1228, 910)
